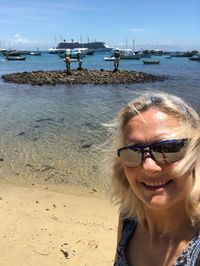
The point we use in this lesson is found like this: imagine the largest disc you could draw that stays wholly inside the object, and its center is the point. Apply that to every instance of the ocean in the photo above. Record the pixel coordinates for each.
(53, 133)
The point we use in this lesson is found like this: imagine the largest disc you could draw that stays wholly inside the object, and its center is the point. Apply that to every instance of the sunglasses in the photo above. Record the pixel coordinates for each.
(163, 152)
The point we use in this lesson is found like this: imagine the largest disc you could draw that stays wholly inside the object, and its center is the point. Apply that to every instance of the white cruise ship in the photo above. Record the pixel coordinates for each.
(94, 46)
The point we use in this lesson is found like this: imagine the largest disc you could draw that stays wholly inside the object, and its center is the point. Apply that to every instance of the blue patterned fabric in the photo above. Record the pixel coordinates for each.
(189, 256)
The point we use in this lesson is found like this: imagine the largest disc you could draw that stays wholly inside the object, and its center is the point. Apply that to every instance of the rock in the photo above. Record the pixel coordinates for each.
(65, 253)
(21, 133)
(86, 146)
(81, 77)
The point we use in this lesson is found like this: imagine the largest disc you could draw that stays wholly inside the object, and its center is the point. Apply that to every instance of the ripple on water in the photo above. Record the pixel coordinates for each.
(54, 134)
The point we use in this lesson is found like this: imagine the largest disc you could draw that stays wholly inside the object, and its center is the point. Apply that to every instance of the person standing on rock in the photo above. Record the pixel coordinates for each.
(67, 60)
(80, 62)
(117, 59)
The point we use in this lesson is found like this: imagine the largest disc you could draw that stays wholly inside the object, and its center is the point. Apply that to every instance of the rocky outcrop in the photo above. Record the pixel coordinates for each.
(80, 77)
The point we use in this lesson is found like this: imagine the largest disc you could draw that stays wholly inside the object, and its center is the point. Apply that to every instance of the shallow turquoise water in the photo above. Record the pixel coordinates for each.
(53, 133)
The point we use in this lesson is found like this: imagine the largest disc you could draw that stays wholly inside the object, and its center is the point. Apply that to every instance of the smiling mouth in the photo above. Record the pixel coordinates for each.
(156, 185)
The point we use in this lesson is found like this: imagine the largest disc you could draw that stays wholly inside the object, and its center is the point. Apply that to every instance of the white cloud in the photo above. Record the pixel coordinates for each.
(20, 40)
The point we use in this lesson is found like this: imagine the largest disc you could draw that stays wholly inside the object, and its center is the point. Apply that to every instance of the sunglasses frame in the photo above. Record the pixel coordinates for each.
(149, 148)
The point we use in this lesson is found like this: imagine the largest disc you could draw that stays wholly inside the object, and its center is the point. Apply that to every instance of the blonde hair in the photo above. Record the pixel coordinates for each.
(189, 127)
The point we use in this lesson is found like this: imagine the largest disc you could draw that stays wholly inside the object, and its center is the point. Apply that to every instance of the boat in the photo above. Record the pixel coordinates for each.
(180, 54)
(72, 60)
(129, 56)
(90, 52)
(126, 54)
(112, 58)
(151, 62)
(195, 57)
(168, 57)
(16, 58)
(11, 53)
(35, 53)
(94, 46)
(143, 54)
(2, 50)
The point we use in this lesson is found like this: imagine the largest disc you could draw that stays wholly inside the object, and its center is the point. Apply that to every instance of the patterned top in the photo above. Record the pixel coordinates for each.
(189, 257)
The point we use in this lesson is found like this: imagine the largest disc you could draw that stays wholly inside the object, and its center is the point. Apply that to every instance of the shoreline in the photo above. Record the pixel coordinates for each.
(96, 77)
(55, 226)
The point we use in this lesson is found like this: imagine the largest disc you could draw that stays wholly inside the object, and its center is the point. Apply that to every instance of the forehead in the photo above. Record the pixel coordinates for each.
(149, 126)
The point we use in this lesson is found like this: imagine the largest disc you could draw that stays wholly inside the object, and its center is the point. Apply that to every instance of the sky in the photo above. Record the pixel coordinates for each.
(138, 24)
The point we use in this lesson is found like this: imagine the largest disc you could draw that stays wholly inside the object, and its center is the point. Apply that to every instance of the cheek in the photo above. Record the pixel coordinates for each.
(131, 175)
(132, 178)
(186, 181)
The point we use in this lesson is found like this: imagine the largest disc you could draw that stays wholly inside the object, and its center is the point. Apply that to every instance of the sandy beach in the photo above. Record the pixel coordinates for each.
(43, 225)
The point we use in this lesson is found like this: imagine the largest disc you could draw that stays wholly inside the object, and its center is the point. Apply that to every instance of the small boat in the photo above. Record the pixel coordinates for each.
(35, 53)
(126, 54)
(72, 60)
(89, 52)
(16, 58)
(151, 62)
(195, 57)
(12, 53)
(130, 56)
(168, 57)
(112, 58)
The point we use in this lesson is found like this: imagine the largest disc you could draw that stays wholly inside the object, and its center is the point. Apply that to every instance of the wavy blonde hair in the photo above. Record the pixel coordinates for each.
(188, 127)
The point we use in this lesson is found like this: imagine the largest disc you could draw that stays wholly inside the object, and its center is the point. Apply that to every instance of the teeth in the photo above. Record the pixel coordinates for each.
(151, 184)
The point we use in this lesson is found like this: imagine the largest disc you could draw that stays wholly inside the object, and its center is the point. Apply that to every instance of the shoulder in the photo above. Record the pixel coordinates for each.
(127, 227)
(191, 254)
(125, 230)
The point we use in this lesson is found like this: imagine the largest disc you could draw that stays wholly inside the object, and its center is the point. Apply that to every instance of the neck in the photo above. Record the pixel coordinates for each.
(169, 223)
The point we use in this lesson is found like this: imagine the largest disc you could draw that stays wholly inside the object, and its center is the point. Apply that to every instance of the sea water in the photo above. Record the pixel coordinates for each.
(54, 133)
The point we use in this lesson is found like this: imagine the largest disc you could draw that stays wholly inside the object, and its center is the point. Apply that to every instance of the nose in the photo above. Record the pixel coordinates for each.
(149, 165)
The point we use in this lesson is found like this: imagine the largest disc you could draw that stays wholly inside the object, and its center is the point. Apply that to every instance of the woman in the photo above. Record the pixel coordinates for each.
(156, 181)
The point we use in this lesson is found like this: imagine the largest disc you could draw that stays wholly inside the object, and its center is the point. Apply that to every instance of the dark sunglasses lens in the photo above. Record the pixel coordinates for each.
(169, 146)
(129, 157)
(169, 151)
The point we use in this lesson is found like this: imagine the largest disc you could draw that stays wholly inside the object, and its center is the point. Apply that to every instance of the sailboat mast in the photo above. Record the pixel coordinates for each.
(133, 44)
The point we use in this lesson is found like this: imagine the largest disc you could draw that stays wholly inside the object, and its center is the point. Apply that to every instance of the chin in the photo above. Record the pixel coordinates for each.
(157, 203)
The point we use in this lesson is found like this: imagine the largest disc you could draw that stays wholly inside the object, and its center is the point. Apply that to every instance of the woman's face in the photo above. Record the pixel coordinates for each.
(155, 184)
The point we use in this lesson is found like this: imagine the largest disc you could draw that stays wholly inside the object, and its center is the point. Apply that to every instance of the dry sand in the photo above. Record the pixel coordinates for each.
(41, 226)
